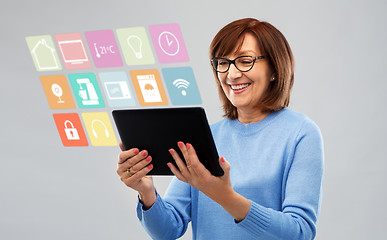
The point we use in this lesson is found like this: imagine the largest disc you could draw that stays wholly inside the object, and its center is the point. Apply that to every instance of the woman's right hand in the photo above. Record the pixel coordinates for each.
(133, 166)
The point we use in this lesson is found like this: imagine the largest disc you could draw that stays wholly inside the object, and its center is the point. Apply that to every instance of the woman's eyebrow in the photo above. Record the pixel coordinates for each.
(246, 52)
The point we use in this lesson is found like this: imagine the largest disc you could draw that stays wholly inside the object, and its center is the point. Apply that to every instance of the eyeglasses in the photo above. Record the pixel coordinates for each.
(242, 63)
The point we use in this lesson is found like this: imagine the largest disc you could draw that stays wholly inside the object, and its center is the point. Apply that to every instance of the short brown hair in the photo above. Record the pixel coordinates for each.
(273, 45)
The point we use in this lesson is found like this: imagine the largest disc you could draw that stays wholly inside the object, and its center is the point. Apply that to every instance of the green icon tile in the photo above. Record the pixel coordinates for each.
(43, 53)
(86, 90)
(135, 46)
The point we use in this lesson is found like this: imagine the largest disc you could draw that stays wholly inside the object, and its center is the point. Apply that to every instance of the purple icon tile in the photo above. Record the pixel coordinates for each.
(103, 48)
(168, 42)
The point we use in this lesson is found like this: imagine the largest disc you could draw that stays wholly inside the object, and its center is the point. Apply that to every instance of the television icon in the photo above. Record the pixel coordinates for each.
(117, 90)
(73, 51)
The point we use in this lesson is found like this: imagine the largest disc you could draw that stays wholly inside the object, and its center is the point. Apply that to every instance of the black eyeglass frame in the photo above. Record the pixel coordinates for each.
(233, 62)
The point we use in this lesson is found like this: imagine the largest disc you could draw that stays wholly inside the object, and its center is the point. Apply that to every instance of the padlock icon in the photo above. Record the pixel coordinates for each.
(71, 133)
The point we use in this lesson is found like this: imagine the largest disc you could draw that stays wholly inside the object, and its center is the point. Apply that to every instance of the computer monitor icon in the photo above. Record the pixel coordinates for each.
(73, 51)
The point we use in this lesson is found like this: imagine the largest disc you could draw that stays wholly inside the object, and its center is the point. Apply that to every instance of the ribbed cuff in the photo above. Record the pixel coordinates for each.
(257, 220)
(155, 209)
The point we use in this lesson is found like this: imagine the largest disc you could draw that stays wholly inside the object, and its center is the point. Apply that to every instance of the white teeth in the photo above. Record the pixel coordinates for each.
(239, 86)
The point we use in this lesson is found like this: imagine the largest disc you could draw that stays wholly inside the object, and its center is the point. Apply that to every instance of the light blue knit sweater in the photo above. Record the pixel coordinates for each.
(276, 163)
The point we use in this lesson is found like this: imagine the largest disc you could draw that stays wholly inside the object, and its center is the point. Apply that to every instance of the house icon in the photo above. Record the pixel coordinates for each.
(45, 56)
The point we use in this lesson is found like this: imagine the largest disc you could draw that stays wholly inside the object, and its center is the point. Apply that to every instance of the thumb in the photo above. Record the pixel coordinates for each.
(122, 147)
(225, 166)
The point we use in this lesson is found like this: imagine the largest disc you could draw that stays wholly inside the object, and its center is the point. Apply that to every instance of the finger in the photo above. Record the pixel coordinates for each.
(177, 173)
(122, 147)
(131, 162)
(125, 175)
(225, 165)
(140, 165)
(140, 174)
(136, 168)
(196, 166)
(125, 155)
(184, 151)
(182, 167)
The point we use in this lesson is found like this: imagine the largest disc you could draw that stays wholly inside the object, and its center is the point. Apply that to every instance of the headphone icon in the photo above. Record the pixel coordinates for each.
(94, 132)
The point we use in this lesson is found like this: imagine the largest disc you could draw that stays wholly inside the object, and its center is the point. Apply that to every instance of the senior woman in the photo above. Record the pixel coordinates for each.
(272, 182)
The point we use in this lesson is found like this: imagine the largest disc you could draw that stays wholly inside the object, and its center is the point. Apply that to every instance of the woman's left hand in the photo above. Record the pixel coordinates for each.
(195, 174)
(218, 189)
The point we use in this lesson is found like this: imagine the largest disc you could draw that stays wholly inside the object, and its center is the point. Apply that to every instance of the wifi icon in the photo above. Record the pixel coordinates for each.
(182, 87)
(181, 83)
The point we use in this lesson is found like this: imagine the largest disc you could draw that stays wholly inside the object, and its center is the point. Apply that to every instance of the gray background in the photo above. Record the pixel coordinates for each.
(48, 191)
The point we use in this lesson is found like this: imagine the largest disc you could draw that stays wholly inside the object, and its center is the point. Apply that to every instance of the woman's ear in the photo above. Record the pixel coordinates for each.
(273, 77)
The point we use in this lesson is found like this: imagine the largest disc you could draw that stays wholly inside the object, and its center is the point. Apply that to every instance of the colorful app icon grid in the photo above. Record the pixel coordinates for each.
(86, 90)
(103, 48)
(181, 85)
(149, 87)
(43, 53)
(57, 92)
(169, 46)
(70, 129)
(169, 43)
(135, 46)
(117, 89)
(99, 129)
(73, 51)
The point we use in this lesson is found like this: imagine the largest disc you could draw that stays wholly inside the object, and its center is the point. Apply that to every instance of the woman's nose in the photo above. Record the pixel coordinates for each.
(233, 73)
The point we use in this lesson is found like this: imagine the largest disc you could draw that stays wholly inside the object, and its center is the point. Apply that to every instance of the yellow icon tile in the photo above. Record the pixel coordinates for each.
(99, 128)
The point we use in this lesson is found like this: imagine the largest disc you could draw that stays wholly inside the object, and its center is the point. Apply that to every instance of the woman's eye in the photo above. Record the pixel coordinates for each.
(246, 62)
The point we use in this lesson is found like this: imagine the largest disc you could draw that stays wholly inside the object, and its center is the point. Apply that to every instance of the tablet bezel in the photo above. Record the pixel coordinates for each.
(159, 129)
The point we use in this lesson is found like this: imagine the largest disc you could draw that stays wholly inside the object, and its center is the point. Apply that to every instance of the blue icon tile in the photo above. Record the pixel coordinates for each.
(182, 86)
(117, 89)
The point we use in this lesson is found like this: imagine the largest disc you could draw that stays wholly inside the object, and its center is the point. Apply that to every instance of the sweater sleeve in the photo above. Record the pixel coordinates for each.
(168, 218)
(302, 191)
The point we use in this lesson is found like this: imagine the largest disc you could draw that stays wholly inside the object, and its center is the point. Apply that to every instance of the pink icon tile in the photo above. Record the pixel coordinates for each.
(168, 42)
(73, 51)
(103, 48)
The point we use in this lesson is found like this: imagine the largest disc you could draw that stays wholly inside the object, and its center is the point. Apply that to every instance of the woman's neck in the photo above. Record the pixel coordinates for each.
(246, 116)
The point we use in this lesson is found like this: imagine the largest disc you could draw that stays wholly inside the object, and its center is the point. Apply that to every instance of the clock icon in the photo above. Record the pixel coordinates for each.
(168, 43)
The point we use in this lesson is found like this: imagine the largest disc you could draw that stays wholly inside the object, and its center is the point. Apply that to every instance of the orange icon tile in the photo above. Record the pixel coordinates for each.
(57, 92)
(70, 129)
(149, 88)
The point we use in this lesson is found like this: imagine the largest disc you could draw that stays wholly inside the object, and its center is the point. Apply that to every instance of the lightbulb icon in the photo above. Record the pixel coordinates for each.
(135, 43)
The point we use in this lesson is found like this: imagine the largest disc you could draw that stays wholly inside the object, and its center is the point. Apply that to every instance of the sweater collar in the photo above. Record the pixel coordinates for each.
(251, 128)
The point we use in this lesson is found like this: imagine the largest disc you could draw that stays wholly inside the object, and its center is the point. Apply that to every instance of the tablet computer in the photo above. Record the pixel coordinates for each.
(158, 130)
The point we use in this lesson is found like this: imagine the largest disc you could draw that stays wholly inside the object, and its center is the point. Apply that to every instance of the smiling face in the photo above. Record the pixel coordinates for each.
(245, 89)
